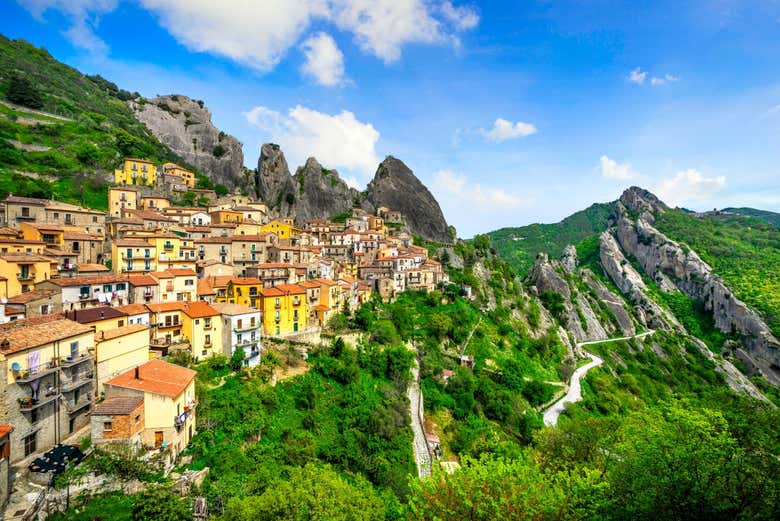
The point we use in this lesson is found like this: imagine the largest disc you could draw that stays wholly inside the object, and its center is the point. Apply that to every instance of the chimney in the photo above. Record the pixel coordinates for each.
(137, 373)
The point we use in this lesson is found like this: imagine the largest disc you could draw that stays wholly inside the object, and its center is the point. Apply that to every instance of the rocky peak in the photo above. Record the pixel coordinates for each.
(273, 177)
(640, 201)
(569, 258)
(185, 126)
(395, 186)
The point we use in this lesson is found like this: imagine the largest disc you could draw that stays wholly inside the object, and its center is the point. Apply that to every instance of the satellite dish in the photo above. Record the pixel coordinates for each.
(15, 366)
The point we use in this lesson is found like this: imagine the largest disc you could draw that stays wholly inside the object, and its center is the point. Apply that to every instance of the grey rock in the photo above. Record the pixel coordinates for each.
(395, 186)
(186, 128)
(569, 258)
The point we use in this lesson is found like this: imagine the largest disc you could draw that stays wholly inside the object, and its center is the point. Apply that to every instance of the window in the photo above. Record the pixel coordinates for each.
(30, 443)
(108, 426)
(74, 349)
(25, 211)
(206, 322)
(120, 323)
(120, 286)
(107, 288)
(189, 282)
(240, 324)
(208, 340)
(76, 247)
(94, 218)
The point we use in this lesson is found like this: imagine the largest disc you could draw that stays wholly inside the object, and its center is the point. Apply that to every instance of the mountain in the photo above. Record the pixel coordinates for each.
(81, 128)
(772, 218)
(712, 277)
(184, 125)
(315, 192)
(519, 246)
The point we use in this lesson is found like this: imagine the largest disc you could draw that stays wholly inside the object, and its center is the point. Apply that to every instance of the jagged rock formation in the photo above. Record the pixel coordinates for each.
(185, 126)
(578, 318)
(395, 186)
(675, 267)
(315, 192)
(569, 259)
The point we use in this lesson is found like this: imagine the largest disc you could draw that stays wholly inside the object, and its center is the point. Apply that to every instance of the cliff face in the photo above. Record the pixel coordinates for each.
(673, 268)
(396, 187)
(315, 192)
(185, 126)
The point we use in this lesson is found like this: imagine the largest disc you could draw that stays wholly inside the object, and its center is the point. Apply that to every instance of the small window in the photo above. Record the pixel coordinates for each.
(137, 418)
(30, 444)
(107, 288)
(108, 426)
(120, 323)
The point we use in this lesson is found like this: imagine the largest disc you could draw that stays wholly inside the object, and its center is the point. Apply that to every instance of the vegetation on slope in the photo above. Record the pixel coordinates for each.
(744, 251)
(519, 246)
(72, 153)
(772, 218)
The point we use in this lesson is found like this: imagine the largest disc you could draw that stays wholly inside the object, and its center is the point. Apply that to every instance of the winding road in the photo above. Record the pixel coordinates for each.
(575, 388)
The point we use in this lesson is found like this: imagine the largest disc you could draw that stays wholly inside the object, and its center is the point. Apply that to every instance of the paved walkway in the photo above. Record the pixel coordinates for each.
(575, 388)
(421, 455)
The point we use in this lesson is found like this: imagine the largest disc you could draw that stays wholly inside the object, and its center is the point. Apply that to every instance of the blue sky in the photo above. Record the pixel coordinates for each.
(510, 112)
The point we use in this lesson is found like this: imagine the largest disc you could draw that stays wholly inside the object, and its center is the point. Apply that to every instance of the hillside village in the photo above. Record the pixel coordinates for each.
(93, 303)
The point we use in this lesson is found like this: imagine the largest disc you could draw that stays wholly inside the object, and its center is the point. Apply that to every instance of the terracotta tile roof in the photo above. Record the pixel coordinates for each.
(120, 406)
(162, 275)
(233, 309)
(24, 257)
(24, 298)
(162, 307)
(271, 292)
(5, 430)
(91, 267)
(204, 288)
(199, 309)
(134, 242)
(326, 282)
(156, 376)
(181, 272)
(142, 280)
(220, 281)
(120, 331)
(246, 281)
(148, 215)
(89, 280)
(272, 265)
(89, 315)
(37, 331)
(27, 200)
(133, 309)
(321, 307)
(214, 240)
(291, 289)
(82, 236)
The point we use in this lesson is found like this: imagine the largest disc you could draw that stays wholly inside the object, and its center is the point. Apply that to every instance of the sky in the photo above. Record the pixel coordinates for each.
(509, 112)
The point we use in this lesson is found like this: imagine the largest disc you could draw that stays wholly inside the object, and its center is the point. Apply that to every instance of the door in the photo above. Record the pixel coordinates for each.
(158, 439)
(295, 326)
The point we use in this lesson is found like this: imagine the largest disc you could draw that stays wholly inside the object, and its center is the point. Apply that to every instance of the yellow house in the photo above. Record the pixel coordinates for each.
(51, 235)
(226, 217)
(133, 256)
(154, 202)
(283, 230)
(284, 309)
(174, 252)
(187, 177)
(330, 300)
(23, 270)
(177, 284)
(203, 327)
(136, 172)
(118, 350)
(46, 378)
(166, 324)
(243, 291)
(120, 199)
(168, 392)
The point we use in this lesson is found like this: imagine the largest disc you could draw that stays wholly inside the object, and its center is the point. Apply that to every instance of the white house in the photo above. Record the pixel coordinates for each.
(90, 291)
(200, 219)
(241, 328)
(136, 314)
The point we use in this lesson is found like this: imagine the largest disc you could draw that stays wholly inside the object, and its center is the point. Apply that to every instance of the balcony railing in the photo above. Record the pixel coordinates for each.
(72, 406)
(25, 276)
(71, 361)
(245, 327)
(80, 381)
(23, 377)
(29, 404)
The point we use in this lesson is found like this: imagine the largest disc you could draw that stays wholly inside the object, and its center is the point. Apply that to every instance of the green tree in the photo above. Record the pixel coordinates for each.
(221, 189)
(22, 92)
(311, 493)
(161, 504)
(237, 359)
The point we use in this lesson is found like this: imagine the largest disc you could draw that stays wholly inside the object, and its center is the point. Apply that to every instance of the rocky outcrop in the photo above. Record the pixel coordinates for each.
(569, 258)
(184, 125)
(578, 317)
(629, 281)
(675, 267)
(612, 302)
(395, 186)
(314, 192)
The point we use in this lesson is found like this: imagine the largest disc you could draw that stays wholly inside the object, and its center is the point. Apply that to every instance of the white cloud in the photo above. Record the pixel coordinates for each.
(324, 60)
(504, 129)
(84, 16)
(689, 186)
(337, 141)
(637, 76)
(473, 194)
(462, 18)
(667, 78)
(611, 169)
(258, 34)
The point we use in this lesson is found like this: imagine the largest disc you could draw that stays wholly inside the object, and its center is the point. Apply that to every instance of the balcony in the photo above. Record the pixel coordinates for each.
(167, 325)
(245, 327)
(25, 275)
(24, 217)
(71, 361)
(80, 381)
(168, 246)
(84, 402)
(28, 404)
(25, 377)
(243, 343)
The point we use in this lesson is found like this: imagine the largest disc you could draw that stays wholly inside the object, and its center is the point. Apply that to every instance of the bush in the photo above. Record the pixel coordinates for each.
(22, 92)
